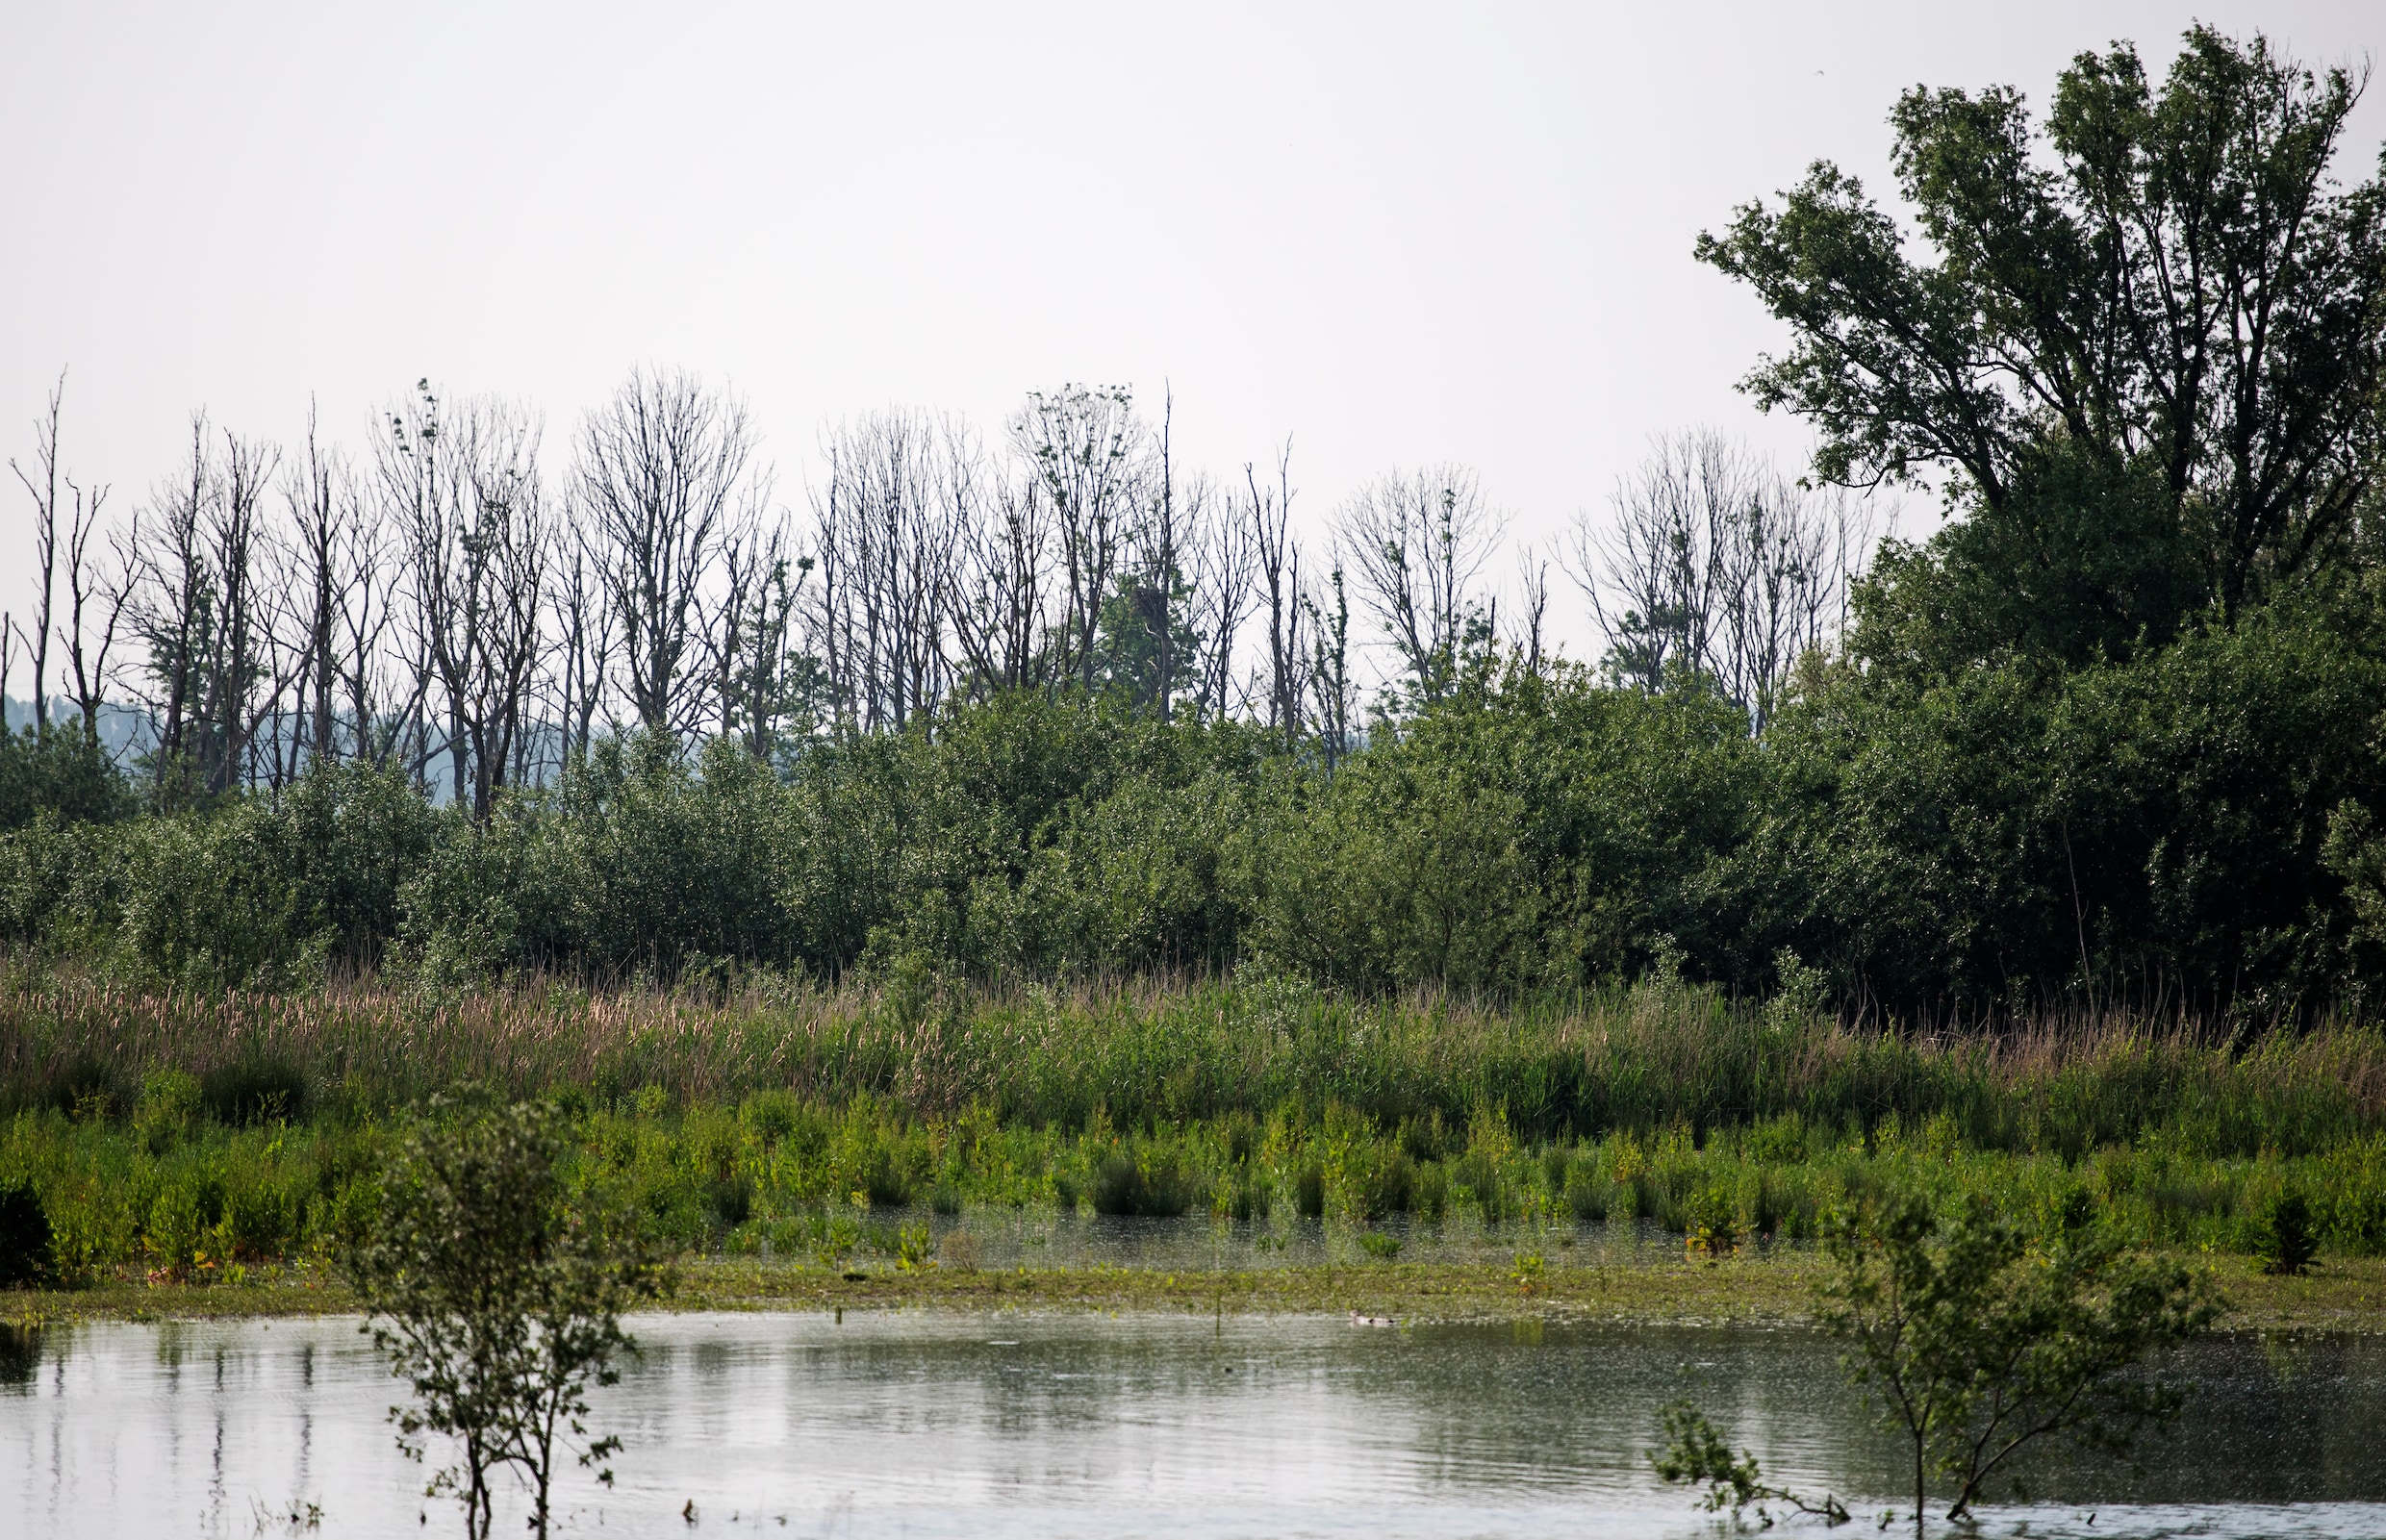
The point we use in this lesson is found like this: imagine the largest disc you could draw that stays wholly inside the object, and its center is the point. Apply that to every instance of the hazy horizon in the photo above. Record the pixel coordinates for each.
(1395, 236)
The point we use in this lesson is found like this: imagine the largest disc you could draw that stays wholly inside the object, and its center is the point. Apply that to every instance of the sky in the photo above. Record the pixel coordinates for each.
(1394, 235)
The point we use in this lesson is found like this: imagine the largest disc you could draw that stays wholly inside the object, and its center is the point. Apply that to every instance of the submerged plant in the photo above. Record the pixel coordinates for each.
(1697, 1455)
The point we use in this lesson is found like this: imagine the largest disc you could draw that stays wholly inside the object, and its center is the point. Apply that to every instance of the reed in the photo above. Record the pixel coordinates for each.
(1150, 1052)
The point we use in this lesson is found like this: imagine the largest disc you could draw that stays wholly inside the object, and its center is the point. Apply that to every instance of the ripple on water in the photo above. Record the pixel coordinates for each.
(932, 1425)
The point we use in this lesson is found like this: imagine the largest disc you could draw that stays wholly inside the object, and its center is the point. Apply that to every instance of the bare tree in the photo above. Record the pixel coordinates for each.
(766, 685)
(199, 600)
(666, 472)
(95, 601)
(998, 611)
(585, 633)
(1224, 574)
(43, 483)
(889, 527)
(1533, 586)
(382, 691)
(238, 662)
(1334, 691)
(1162, 549)
(174, 599)
(1415, 545)
(1718, 569)
(321, 497)
(466, 478)
(1086, 449)
(1267, 513)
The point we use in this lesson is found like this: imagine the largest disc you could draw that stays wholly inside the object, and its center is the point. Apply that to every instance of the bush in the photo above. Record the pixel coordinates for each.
(24, 1236)
(1124, 1187)
(2285, 1240)
(1538, 831)
(59, 773)
(253, 1089)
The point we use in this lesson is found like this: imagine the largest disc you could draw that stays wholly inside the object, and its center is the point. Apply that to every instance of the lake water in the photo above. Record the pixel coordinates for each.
(936, 1424)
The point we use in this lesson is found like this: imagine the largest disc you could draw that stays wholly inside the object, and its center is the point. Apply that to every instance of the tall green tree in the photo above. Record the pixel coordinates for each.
(2148, 338)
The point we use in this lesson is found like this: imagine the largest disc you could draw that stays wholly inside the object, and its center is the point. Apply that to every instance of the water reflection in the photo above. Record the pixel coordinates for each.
(20, 1353)
(1064, 1424)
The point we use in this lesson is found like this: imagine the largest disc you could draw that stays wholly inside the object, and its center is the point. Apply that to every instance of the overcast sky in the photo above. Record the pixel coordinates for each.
(1396, 234)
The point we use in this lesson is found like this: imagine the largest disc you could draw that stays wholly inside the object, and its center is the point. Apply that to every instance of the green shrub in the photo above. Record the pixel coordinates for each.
(24, 1236)
(2285, 1241)
(1122, 1186)
(256, 1088)
(1309, 1190)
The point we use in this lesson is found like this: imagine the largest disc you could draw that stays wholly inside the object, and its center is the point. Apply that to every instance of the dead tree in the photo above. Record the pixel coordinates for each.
(999, 611)
(237, 660)
(764, 683)
(43, 483)
(1086, 449)
(584, 643)
(1224, 560)
(1334, 692)
(95, 601)
(466, 477)
(1162, 548)
(321, 497)
(1532, 581)
(665, 473)
(1415, 545)
(1267, 513)
(889, 524)
(173, 607)
(1717, 569)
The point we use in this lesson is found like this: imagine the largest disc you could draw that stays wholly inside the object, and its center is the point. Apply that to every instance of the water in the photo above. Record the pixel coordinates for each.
(944, 1423)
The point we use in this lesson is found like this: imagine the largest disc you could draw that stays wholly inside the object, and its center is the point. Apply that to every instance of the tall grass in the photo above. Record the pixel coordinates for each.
(1149, 1053)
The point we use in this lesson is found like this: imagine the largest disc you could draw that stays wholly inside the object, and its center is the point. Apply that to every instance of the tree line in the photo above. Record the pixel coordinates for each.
(457, 606)
(1057, 703)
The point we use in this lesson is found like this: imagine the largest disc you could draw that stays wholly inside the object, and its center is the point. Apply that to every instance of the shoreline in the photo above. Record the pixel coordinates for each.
(2343, 1295)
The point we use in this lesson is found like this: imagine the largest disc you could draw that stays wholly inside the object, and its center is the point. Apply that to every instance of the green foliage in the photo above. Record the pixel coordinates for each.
(1996, 833)
(1538, 831)
(2072, 345)
(264, 889)
(2285, 1240)
(497, 1293)
(1697, 1455)
(1978, 1339)
(256, 1088)
(24, 1236)
(1124, 1185)
(61, 774)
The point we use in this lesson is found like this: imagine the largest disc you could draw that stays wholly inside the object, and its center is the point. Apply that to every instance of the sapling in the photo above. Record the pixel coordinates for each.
(1976, 1340)
(498, 1295)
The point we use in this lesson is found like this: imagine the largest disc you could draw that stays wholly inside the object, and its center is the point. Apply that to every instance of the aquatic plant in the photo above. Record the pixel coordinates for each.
(1695, 1454)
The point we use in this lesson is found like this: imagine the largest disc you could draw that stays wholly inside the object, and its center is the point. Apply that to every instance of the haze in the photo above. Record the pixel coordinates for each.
(1395, 234)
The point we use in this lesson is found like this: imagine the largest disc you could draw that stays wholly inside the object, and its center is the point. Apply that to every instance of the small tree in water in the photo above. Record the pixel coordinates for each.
(497, 1295)
(1977, 1341)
